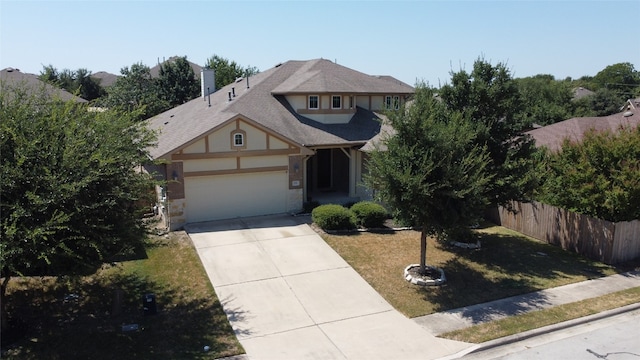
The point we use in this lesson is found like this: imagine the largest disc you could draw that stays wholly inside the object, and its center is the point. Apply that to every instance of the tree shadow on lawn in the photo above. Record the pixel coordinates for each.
(83, 318)
(506, 266)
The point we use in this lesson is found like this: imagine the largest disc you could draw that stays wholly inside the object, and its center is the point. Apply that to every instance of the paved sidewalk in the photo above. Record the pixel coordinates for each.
(455, 319)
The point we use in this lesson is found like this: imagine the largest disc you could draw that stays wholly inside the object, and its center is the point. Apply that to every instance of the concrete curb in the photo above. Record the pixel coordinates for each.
(542, 331)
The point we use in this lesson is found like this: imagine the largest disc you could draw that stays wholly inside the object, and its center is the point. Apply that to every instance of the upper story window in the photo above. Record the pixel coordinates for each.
(336, 102)
(238, 139)
(314, 102)
(396, 102)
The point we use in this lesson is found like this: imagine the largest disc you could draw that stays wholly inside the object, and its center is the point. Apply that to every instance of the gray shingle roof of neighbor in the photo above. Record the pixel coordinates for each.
(106, 79)
(12, 78)
(263, 103)
(552, 136)
(581, 92)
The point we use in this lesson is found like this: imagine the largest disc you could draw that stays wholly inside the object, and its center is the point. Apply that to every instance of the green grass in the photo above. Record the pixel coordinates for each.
(508, 264)
(537, 319)
(89, 325)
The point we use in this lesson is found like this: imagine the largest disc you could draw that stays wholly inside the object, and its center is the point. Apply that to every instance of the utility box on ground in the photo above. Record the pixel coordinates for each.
(149, 304)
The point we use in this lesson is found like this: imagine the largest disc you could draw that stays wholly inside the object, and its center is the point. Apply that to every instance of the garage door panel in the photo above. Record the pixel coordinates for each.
(229, 196)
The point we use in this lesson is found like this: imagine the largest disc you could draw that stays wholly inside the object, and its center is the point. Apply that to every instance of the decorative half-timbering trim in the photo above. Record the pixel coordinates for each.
(327, 111)
(231, 154)
(235, 171)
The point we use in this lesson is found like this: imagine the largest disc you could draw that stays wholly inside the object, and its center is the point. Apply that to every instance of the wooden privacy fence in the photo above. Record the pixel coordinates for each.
(596, 239)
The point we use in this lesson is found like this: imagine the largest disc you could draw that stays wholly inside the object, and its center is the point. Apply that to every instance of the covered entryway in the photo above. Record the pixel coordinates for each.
(238, 195)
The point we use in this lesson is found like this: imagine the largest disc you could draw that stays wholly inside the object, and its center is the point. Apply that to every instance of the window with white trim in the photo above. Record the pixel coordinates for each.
(238, 139)
(396, 102)
(314, 102)
(336, 102)
(387, 102)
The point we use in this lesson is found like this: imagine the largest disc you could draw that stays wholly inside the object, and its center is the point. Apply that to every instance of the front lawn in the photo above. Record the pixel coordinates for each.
(507, 264)
(83, 317)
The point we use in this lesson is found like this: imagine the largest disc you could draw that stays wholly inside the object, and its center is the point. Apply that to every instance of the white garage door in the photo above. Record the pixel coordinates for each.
(228, 196)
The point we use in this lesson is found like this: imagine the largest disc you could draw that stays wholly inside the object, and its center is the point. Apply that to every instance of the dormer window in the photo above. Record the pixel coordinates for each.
(336, 102)
(238, 139)
(314, 102)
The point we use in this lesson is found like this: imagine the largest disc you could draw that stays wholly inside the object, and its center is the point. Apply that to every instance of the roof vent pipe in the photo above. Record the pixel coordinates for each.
(233, 91)
(229, 95)
(209, 96)
(247, 82)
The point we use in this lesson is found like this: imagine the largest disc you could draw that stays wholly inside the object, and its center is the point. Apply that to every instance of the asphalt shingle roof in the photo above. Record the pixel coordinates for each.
(552, 136)
(263, 102)
(11, 78)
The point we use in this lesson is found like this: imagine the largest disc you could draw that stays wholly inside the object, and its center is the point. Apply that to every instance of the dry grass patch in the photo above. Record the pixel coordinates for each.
(82, 317)
(507, 264)
(537, 319)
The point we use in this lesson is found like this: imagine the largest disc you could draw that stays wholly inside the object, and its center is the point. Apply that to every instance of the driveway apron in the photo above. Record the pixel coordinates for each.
(288, 295)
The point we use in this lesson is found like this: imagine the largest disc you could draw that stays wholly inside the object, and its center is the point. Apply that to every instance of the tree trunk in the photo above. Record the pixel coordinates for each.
(423, 251)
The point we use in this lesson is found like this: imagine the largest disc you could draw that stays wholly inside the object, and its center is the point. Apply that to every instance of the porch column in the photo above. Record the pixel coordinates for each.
(352, 172)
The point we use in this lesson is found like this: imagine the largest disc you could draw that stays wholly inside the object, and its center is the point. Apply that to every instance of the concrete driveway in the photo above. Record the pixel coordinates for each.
(288, 295)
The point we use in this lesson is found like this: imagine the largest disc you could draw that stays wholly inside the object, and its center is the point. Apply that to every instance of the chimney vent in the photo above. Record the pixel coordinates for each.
(207, 82)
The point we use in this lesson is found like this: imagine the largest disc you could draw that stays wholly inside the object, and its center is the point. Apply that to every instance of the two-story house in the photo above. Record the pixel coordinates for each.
(270, 142)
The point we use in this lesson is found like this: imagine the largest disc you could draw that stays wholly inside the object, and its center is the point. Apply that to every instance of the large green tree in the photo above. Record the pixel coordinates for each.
(622, 78)
(136, 91)
(70, 185)
(545, 100)
(177, 83)
(490, 98)
(77, 82)
(433, 170)
(599, 176)
(227, 71)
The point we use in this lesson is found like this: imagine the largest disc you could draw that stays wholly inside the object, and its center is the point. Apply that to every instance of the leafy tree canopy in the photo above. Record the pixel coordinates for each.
(434, 170)
(69, 185)
(77, 82)
(136, 91)
(545, 100)
(599, 176)
(226, 71)
(177, 82)
(489, 97)
(622, 78)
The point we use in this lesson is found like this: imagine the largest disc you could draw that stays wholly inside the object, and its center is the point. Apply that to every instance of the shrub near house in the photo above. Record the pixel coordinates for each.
(333, 217)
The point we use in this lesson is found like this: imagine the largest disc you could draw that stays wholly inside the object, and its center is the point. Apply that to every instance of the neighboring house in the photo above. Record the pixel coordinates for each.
(12, 80)
(105, 79)
(580, 92)
(268, 143)
(552, 136)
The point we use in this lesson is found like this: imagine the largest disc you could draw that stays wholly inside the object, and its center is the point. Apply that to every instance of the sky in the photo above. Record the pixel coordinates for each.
(409, 40)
